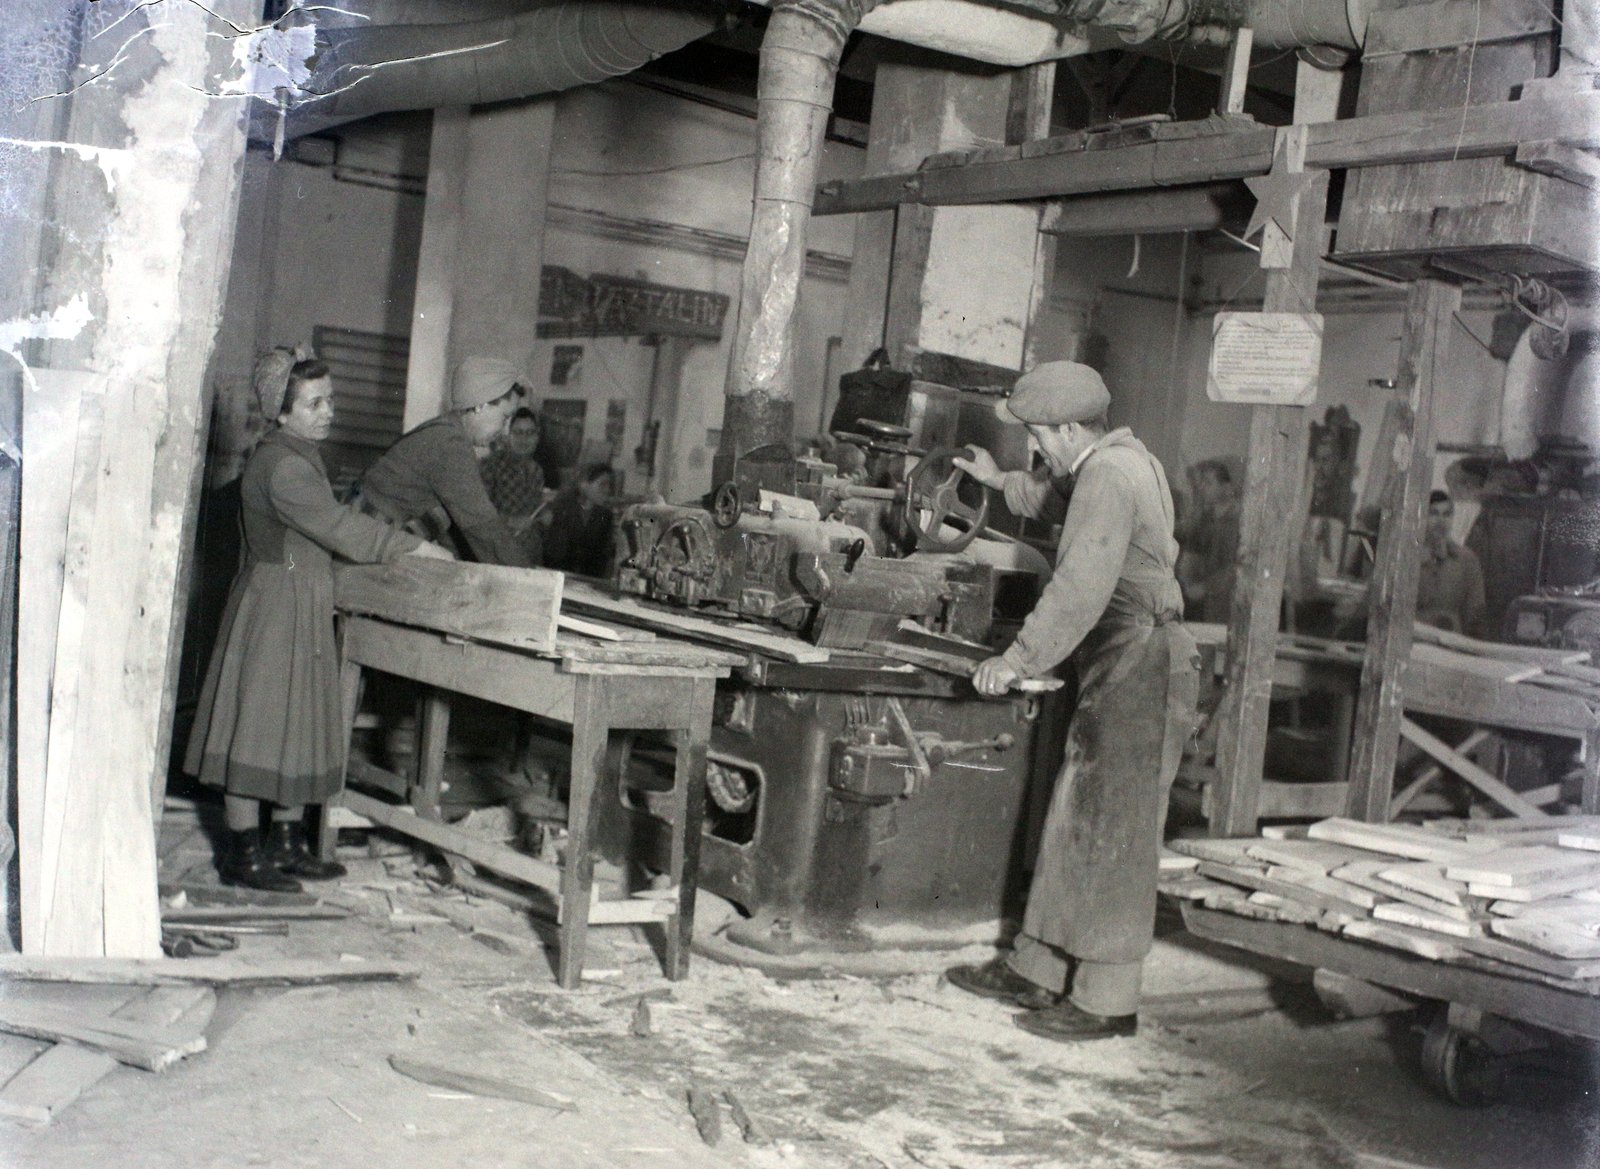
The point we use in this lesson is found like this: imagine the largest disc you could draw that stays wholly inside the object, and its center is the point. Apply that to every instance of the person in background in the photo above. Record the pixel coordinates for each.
(1114, 605)
(433, 469)
(515, 482)
(1450, 578)
(1449, 582)
(269, 727)
(1210, 540)
(580, 533)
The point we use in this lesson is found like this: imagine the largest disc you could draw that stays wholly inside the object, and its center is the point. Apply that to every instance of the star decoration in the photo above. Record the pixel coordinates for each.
(1277, 197)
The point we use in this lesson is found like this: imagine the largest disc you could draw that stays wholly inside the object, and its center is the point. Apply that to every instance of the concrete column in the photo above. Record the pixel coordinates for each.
(957, 281)
(427, 371)
(501, 250)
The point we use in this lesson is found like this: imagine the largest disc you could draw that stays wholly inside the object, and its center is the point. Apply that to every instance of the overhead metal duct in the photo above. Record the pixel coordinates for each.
(794, 93)
(360, 71)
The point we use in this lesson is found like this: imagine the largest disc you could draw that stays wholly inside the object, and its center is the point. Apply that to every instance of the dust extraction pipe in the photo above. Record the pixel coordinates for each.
(361, 71)
(794, 95)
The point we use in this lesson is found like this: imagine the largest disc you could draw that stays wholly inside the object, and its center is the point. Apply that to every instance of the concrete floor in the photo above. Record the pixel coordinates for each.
(1230, 1068)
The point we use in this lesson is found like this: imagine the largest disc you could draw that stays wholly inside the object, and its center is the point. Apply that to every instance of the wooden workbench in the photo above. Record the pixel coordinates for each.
(593, 687)
(1429, 687)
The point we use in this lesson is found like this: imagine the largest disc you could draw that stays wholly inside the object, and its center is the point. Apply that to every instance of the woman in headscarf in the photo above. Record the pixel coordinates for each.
(269, 727)
(434, 468)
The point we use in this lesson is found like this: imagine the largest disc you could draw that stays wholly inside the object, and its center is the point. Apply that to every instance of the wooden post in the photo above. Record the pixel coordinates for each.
(147, 248)
(1268, 530)
(1236, 75)
(427, 369)
(1424, 347)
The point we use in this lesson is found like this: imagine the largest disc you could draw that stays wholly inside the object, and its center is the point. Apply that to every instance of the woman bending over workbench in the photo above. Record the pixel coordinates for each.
(269, 725)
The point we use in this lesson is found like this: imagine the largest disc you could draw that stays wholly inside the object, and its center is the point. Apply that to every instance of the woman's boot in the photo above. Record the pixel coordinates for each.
(247, 864)
(287, 848)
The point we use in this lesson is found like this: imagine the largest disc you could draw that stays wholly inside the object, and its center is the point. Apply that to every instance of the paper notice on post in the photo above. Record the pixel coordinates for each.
(1265, 359)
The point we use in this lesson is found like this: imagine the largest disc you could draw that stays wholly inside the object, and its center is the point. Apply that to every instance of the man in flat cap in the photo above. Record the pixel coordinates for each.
(1114, 604)
(430, 476)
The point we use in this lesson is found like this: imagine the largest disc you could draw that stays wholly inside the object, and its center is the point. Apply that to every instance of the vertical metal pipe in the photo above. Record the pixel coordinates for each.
(799, 59)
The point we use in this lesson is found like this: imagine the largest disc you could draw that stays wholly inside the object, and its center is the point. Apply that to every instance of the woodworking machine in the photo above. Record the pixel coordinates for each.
(862, 801)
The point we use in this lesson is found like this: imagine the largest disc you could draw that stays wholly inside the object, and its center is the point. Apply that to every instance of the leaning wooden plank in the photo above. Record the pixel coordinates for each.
(1523, 866)
(208, 971)
(1461, 643)
(587, 599)
(136, 1044)
(1395, 839)
(489, 602)
(458, 1081)
(479, 851)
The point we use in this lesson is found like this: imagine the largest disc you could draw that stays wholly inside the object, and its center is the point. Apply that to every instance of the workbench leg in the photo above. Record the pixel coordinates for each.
(688, 813)
(433, 733)
(590, 723)
(350, 681)
(1591, 773)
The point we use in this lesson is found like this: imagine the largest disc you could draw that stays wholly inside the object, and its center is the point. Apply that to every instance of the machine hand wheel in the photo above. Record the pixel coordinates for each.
(932, 501)
(726, 506)
(1458, 1065)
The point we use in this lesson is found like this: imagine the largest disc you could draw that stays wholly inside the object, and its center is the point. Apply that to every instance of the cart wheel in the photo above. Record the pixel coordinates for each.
(1458, 1066)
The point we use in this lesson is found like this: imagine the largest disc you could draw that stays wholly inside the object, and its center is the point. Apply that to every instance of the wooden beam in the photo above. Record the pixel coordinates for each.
(1457, 762)
(1182, 153)
(1139, 212)
(505, 861)
(433, 303)
(1424, 348)
(1268, 525)
(1430, 773)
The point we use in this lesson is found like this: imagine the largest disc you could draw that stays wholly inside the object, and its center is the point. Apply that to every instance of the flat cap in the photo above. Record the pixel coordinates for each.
(1054, 394)
(482, 379)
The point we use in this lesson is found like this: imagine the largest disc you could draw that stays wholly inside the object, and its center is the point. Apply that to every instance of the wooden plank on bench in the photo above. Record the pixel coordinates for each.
(490, 602)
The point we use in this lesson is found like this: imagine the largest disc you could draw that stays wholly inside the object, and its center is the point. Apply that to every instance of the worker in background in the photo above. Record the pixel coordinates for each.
(429, 478)
(1114, 603)
(1450, 578)
(580, 534)
(268, 727)
(1210, 542)
(515, 481)
(1449, 581)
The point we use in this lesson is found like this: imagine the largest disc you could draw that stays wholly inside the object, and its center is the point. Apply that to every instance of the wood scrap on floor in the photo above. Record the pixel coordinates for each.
(1491, 893)
(459, 1081)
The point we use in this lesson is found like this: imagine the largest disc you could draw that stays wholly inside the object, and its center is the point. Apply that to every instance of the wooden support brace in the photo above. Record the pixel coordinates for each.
(1457, 762)
(1236, 72)
(1432, 772)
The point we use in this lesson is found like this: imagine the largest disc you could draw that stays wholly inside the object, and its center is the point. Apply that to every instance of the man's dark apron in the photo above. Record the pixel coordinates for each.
(1094, 886)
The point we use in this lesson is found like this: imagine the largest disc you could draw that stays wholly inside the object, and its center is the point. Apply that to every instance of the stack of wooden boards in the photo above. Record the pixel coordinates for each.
(1521, 896)
(145, 1013)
